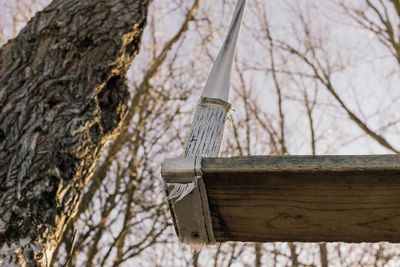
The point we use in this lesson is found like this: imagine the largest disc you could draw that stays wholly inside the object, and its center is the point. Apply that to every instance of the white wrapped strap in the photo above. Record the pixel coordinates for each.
(185, 188)
(180, 181)
(179, 191)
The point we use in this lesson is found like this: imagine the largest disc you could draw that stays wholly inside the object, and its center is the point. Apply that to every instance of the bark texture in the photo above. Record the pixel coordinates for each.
(63, 95)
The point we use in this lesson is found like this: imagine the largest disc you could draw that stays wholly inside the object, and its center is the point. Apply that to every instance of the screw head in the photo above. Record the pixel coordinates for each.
(195, 235)
(39, 256)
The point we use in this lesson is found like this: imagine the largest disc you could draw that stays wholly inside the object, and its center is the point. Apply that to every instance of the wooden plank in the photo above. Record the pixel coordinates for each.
(304, 198)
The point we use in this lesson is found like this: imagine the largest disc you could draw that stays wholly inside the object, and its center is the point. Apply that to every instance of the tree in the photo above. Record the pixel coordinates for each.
(311, 77)
(63, 96)
(124, 175)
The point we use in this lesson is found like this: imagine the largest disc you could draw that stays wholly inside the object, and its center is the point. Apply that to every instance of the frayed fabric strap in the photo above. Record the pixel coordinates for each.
(185, 187)
(177, 191)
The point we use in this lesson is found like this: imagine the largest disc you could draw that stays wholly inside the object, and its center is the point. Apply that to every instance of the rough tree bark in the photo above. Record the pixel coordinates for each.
(62, 97)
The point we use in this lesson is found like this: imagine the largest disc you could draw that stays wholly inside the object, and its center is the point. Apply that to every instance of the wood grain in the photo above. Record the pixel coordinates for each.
(304, 198)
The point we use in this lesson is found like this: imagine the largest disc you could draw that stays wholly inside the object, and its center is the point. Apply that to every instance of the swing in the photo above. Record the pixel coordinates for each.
(274, 198)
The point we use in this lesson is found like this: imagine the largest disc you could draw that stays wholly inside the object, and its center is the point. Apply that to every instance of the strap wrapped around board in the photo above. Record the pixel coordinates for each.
(184, 185)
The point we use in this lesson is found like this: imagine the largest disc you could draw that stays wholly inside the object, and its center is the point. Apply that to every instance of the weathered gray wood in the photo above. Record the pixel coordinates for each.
(304, 198)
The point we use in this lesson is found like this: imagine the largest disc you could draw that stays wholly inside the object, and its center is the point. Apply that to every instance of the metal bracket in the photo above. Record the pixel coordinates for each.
(181, 170)
(189, 200)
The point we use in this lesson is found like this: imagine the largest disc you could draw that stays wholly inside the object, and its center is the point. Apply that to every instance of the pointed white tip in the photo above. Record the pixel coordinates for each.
(218, 82)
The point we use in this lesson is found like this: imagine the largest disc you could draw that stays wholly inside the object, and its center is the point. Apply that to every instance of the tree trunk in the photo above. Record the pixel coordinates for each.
(62, 96)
